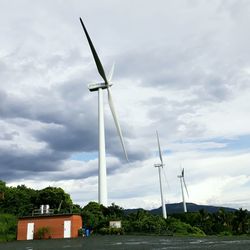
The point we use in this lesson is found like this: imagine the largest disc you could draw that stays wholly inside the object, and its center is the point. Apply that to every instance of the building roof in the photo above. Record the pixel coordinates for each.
(47, 215)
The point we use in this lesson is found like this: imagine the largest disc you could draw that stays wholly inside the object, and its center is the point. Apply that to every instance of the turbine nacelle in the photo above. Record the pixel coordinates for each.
(182, 174)
(158, 165)
(182, 179)
(96, 86)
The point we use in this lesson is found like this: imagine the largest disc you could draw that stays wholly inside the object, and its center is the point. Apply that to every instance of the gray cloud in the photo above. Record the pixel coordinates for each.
(16, 164)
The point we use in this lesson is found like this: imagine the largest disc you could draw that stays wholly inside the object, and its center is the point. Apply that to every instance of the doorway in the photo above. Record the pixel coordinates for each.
(30, 231)
(67, 229)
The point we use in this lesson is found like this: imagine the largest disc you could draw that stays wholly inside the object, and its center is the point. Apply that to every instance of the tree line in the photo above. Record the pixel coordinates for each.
(219, 223)
(199, 223)
(21, 201)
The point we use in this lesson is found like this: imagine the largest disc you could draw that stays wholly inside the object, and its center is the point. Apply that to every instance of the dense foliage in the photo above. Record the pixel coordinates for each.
(21, 201)
(219, 223)
(97, 217)
(8, 223)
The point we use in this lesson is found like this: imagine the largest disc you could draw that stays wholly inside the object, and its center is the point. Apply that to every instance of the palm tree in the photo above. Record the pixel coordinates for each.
(240, 221)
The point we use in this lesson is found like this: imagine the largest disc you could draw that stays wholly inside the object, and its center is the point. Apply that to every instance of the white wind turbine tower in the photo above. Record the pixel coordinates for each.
(102, 175)
(160, 168)
(182, 180)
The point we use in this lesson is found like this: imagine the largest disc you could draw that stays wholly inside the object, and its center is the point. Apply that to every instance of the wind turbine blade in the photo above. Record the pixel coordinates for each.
(112, 108)
(96, 58)
(159, 147)
(182, 173)
(111, 73)
(185, 186)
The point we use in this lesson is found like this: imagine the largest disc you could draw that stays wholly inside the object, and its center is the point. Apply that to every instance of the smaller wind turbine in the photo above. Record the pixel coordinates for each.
(160, 168)
(182, 180)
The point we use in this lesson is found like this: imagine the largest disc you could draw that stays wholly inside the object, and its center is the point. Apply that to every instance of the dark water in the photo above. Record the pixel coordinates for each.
(133, 242)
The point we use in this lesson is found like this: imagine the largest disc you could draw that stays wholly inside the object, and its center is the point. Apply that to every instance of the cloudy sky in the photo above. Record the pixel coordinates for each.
(181, 67)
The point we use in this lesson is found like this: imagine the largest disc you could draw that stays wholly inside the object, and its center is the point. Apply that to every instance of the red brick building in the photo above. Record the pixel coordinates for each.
(59, 226)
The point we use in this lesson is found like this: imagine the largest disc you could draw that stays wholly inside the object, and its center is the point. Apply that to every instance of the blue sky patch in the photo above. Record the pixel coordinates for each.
(84, 156)
(236, 143)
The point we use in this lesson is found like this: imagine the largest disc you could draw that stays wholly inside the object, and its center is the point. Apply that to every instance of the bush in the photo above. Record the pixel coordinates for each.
(80, 232)
(43, 232)
(181, 228)
(225, 233)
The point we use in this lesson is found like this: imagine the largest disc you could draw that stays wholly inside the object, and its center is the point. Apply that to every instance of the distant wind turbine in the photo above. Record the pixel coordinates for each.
(182, 180)
(102, 179)
(160, 168)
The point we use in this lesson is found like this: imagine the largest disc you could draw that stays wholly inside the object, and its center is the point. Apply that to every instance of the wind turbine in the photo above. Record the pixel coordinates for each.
(102, 173)
(182, 180)
(160, 168)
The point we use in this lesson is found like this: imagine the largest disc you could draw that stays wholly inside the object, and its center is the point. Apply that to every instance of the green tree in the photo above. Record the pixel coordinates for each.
(204, 221)
(93, 216)
(76, 209)
(54, 196)
(2, 189)
(8, 225)
(240, 221)
(222, 222)
(18, 200)
(115, 212)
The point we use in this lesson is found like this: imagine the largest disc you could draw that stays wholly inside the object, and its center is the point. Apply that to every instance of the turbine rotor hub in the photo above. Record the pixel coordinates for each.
(96, 86)
(158, 165)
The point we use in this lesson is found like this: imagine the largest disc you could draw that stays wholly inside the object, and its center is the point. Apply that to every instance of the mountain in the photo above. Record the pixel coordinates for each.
(178, 208)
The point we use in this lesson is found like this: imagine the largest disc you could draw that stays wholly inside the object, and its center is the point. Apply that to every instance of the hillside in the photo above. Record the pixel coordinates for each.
(178, 208)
